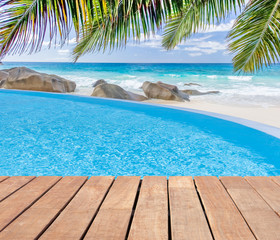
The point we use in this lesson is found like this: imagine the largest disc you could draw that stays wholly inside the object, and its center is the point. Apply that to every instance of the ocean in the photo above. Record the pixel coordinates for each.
(261, 89)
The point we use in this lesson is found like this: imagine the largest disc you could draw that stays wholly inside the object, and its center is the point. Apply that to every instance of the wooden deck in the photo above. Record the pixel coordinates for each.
(130, 208)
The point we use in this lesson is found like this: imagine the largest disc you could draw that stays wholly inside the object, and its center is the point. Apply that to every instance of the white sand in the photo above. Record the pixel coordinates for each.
(266, 115)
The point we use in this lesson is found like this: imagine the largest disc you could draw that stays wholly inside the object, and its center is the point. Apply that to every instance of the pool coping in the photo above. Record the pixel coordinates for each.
(271, 130)
(268, 129)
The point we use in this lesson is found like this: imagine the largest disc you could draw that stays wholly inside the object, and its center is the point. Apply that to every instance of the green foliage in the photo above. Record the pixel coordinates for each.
(197, 15)
(255, 36)
(127, 19)
(99, 24)
(102, 25)
(24, 23)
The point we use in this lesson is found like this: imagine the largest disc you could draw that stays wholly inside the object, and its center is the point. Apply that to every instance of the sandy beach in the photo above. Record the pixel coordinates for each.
(269, 115)
(266, 115)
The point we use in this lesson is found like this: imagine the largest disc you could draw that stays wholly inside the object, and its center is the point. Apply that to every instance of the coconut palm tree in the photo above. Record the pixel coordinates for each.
(102, 25)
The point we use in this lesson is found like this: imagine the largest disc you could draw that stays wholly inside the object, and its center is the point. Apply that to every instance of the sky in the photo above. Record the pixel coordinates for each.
(209, 46)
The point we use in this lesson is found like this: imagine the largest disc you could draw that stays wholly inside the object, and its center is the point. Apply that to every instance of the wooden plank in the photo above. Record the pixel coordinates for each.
(2, 178)
(34, 220)
(187, 217)
(12, 184)
(114, 215)
(18, 202)
(268, 189)
(224, 218)
(276, 179)
(151, 216)
(76, 217)
(262, 220)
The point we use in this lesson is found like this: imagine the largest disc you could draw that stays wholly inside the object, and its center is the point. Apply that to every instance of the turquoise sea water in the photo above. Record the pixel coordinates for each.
(56, 134)
(261, 89)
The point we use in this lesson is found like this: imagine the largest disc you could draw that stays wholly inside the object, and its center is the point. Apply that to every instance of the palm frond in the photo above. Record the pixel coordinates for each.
(196, 15)
(24, 23)
(128, 20)
(255, 36)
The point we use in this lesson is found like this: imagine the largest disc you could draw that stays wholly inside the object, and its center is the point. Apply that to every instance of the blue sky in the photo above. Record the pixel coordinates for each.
(205, 47)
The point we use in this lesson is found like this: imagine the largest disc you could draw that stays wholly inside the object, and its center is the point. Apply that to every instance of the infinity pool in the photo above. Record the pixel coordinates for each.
(56, 134)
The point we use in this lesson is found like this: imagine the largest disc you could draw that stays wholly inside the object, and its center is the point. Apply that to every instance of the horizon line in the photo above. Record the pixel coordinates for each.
(123, 62)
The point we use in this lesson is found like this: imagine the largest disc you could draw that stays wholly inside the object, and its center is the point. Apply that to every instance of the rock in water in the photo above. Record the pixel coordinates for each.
(26, 79)
(3, 77)
(192, 84)
(100, 81)
(168, 86)
(107, 90)
(164, 91)
(196, 93)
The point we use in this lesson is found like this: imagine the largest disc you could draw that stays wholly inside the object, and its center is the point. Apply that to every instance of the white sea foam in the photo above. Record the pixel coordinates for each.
(180, 84)
(173, 75)
(130, 84)
(212, 76)
(246, 95)
(126, 76)
(240, 78)
(239, 90)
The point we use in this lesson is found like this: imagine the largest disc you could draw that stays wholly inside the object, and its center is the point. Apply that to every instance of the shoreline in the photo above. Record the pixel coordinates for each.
(265, 115)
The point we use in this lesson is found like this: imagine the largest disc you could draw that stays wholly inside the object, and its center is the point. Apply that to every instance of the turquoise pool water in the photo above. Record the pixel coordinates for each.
(56, 134)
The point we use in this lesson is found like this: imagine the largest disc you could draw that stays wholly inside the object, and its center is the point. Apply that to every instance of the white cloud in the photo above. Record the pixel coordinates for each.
(208, 51)
(225, 53)
(206, 47)
(196, 39)
(63, 52)
(72, 41)
(195, 54)
(154, 41)
(65, 59)
(192, 49)
(47, 43)
(151, 44)
(213, 45)
(223, 27)
(194, 46)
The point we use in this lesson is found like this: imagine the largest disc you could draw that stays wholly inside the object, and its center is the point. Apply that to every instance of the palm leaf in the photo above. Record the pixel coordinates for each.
(255, 36)
(128, 19)
(194, 16)
(24, 23)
